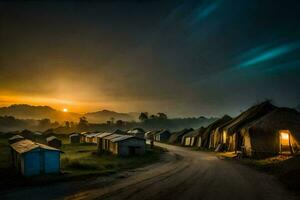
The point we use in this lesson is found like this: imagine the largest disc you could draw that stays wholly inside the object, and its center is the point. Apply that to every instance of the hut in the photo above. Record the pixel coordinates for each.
(91, 138)
(230, 135)
(53, 141)
(278, 132)
(176, 137)
(150, 134)
(30, 158)
(127, 145)
(106, 141)
(83, 136)
(15, 138)
(100, 141)
(205, 137)
(137, 132)
(74, 138)
(193, 138)
(162, 136)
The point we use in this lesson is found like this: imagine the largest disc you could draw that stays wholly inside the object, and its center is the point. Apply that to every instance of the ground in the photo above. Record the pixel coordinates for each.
(181, 174)
(79, 161)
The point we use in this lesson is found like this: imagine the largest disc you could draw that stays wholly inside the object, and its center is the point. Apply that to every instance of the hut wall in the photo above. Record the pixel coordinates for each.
(31, 163)
(75, 139)
(52, 161)
(125, 146)
(264, 142)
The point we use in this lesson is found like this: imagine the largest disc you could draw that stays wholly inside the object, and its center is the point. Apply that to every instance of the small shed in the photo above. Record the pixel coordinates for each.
(91, 138)
(30, 158)
(74, 138)
(106, 141)
(15, 138)
(150, 134)
(127, 145)
(162, 136)
(53, 141)
(100, 141)
(83, 136)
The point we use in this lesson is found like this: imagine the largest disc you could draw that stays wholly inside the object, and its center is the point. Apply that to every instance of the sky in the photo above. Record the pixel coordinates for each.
(185, 57)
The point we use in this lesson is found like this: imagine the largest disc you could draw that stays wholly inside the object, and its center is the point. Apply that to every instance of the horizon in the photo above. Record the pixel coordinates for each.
(182, 58)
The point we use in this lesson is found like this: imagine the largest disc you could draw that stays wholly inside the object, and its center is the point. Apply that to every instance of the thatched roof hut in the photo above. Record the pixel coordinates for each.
(229, 136)
(193, 138)
(205, 138)
(176, 137)
(276, 132)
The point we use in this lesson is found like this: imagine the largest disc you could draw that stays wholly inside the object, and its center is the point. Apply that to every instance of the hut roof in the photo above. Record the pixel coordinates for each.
(74, 135)
(101, 135)
(24, 146)
(162, 132)
(125, 137)
(279, 119)
(92, 135)
(206, 133)
(177, 134)
(250, 115)
(195, 133)
(136, 131)
(112, 136)
(16, 137)
(48, 139)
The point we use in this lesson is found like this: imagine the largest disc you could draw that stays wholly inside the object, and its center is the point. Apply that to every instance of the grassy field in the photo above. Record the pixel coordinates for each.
(78, 161)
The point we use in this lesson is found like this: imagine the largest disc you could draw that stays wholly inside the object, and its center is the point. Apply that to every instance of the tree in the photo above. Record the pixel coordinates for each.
(162, 116)
(143, 116)
(120, 123)
(112, 119)
(83, 124)
(153, 116)
(67, 124)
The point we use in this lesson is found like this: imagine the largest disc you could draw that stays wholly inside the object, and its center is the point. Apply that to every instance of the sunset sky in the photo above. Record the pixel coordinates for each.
(185, 58)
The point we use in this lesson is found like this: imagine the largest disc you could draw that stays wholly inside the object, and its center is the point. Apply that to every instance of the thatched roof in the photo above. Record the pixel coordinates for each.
(250, 115)
(206, 134)
(278, 119)
(175, 135)
(195, 133)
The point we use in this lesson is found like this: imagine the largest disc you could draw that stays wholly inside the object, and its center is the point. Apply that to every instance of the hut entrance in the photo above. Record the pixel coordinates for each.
(285, 142)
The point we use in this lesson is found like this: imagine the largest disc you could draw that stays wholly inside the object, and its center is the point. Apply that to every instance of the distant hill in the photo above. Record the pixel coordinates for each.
(24, 111)
(105, 115)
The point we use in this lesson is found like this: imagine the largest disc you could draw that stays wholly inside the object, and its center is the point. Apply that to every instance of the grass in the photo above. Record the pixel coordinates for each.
(285, 168)
(78, 162)
(83, 158)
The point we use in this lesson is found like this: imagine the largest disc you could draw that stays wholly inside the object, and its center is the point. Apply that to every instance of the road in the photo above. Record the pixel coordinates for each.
(182, 175)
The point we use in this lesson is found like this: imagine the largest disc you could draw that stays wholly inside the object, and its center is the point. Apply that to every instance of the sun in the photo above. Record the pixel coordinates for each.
(65, 110)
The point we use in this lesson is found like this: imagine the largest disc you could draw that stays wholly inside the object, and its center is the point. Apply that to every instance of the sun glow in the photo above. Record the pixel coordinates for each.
(65, 110)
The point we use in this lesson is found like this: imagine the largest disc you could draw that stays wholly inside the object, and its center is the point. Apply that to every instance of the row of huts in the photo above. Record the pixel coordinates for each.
(118, 142)
(262, 130)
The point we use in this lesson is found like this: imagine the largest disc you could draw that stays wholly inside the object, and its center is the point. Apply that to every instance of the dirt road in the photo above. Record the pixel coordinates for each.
(183, 174)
